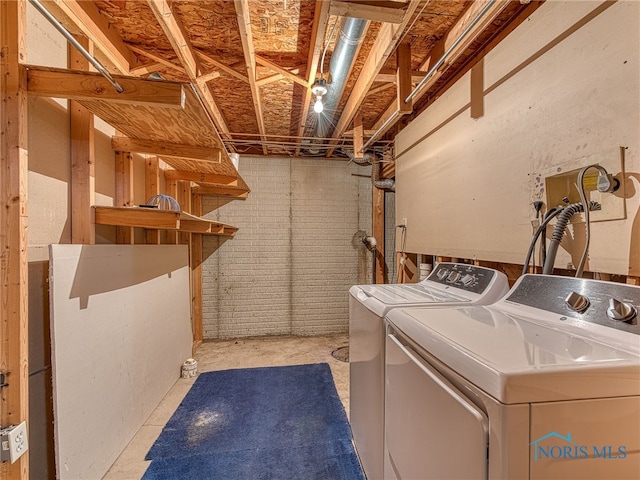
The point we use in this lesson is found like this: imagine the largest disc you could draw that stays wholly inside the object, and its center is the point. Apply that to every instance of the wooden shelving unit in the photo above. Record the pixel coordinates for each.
(156, 219)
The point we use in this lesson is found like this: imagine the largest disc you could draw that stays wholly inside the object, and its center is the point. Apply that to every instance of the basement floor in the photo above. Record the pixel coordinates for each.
(222, 355)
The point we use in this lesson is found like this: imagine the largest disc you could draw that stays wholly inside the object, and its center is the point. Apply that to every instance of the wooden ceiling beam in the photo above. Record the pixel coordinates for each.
(222, 66)
(388, 37)
(157, 58)
(270, 79)
(152, 147)
(179, 40)
(177, 36)
(78, 85)
(207, 77)
(320, 19)
(221, 190)
(244, 23)
(278, 69)
(144, 70)
(374, 11)
(84, 18)
(385, 121)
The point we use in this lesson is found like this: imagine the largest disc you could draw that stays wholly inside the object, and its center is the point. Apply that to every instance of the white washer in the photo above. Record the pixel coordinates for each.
(544, 384)
(450, 284)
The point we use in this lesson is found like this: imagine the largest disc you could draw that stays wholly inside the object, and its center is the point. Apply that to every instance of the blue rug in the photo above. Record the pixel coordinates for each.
(272, 423)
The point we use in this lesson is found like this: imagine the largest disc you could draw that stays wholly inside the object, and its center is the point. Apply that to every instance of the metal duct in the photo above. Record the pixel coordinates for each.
(388, 184)
(350, 36)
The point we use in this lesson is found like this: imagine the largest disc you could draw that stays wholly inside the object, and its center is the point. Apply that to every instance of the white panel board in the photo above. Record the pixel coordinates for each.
(121, 329)
(561, 92)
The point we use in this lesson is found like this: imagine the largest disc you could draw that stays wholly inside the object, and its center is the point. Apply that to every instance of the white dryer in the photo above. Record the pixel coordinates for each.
(544, 384)
(448, 285)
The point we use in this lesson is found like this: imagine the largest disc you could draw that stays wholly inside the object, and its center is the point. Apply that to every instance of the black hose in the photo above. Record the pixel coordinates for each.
(550, 215)
(558, 232)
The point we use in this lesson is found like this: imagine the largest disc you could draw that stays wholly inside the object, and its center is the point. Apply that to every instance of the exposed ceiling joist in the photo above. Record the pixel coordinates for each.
(389, 12)
(244, 23)
(276, 68)
(320, 19)
(175, 33)
(448, 44)
(388, 37)
(222, 66)
(157, 58)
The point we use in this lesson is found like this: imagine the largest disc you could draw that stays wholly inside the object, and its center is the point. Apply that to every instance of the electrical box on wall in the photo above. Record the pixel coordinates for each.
(563, 186)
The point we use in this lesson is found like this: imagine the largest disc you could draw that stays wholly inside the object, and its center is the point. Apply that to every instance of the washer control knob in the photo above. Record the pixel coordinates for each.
(576, 302)
(453, 277)
(442, 273)
(468, 280)
(621, 310)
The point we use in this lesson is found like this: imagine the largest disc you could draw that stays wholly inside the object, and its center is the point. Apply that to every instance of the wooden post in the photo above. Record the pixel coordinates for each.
(151, 188)
(196, 276)
(378, 231)
(82, 157)
(14, 350)
(172, 191)
(124, 192)
(184, 200)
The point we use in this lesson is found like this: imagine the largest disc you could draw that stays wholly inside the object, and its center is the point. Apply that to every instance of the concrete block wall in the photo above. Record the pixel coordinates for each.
(290, 266)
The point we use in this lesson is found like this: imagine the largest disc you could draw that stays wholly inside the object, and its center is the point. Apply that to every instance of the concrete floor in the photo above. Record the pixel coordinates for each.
(222, 355)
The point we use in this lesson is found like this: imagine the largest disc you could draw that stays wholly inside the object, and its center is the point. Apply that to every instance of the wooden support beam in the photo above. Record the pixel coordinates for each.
(75, 85)
(124, 193)
(184, 200)
(358, 136)
(196, 277)
(389, 75)
(181, 44)
(127, 218)
(386, 41)
(172, 190)
(151, 189)
(243, 13)
(83, 175)
(85, 18)
(319, 29)
(156, 58)
(152, 147)
(207, 77)
(177, 36)
(403, 82)
(377, 226)
(182, 175)
(237, 193)
(145, 70)
(14, 242)
(225, 68)
(389, 12)
(278, 69)
(270, 79)
(477, 90)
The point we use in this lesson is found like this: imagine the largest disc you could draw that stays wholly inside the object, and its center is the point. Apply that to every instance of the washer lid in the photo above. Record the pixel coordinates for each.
(520, 360)
(404, 294)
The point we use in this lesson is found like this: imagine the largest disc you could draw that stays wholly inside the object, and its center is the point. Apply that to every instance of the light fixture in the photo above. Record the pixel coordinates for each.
(319, 89)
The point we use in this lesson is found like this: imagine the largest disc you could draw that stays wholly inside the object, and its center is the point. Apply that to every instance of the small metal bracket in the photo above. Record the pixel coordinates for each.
(2, 382)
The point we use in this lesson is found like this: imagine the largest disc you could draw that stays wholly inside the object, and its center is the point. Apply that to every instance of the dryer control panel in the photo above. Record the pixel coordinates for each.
(466, 277)
(614, 305)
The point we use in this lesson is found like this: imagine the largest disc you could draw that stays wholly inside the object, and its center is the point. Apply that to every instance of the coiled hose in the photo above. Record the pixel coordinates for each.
(558, 232)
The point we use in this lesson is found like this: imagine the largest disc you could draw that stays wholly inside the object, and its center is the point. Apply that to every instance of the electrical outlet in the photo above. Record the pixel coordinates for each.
(14, 442)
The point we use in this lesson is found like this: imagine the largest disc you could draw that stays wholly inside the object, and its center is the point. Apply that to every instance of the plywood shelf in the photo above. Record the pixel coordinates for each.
(160, 220)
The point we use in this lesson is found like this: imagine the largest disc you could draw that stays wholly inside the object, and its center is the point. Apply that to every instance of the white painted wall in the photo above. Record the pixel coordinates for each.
(121, 329)
(561, 92)
(290, 266)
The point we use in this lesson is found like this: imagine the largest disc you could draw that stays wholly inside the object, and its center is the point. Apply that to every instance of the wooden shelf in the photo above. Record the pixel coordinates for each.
(154, 218)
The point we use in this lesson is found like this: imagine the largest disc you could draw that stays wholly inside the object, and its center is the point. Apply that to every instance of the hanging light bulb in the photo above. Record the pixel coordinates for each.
(319, 89)
(318, 107)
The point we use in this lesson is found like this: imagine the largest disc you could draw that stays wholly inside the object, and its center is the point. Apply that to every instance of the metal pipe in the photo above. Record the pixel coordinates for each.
(65, 33)
(377, 133)
(449, 50)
